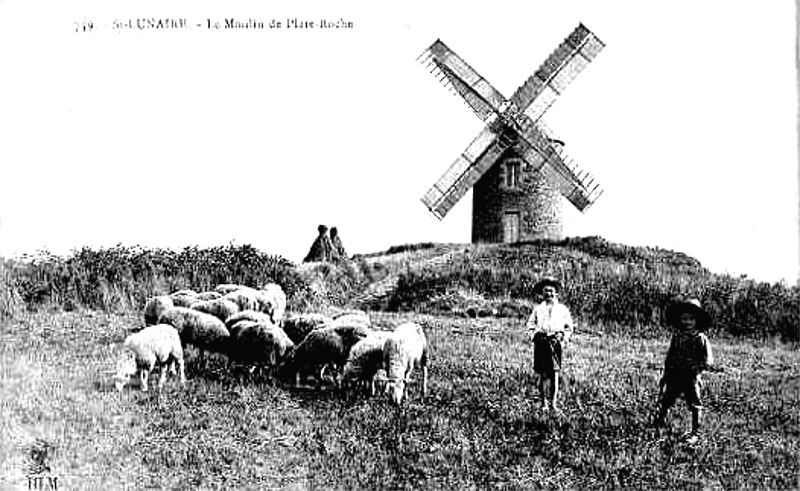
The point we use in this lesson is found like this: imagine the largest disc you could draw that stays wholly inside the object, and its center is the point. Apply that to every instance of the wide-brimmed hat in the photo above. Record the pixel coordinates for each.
(547, 281)
(692, 305)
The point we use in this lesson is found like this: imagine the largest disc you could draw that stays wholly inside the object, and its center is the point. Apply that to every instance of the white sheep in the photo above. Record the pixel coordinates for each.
(221, 308)
(272, 300)
(364, 361)
(247, 315)
(226, 288)
(246, 298)
(203, 331)
(156, 345)
(156, 306)
(183, 298)
(404, 349)
(212, 295)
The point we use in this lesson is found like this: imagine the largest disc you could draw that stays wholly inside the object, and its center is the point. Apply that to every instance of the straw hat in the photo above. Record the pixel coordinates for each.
(547, 281)
(674, 311)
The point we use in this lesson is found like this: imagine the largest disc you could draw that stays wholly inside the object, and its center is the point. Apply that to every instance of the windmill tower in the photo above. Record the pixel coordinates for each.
(516, 167)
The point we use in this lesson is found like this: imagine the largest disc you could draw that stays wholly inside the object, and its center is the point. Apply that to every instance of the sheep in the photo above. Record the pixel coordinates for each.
(203, 331)
(272, 300)
(155, 345)
(364, 361)
(154, 307)
(405, 348)
(221, 308)
(246, 298)
(297, 326)
(183, 298)
(261, 343)
(226, 288)
(208, 295)
(322, 348)
(247, 315)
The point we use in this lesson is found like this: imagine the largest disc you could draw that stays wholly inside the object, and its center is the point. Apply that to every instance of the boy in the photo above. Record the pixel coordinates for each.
(549, 325)
(689, 355)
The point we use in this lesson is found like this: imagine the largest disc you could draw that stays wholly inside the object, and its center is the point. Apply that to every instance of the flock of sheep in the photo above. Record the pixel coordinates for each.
(249, 326)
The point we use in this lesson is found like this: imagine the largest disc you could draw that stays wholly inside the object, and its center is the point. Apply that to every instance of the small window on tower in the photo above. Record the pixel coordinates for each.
(513, 168)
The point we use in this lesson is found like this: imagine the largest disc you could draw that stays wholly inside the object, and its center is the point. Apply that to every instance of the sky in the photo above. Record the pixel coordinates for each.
(206, 137)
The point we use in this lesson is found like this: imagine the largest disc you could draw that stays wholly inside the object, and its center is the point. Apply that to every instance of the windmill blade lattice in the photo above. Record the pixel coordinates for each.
(462, 174)
(463, 80)
(542, 88)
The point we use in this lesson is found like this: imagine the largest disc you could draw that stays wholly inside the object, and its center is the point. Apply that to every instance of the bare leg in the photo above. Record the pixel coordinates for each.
(544, 389)
(424, 381)
(554, 394)
(143, 373)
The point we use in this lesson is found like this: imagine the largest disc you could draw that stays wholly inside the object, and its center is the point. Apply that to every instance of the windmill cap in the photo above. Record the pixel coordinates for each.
(538, 288)
(692, 306)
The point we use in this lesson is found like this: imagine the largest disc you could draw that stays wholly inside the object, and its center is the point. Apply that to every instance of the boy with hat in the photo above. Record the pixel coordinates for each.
(549, 325)
(688, 356)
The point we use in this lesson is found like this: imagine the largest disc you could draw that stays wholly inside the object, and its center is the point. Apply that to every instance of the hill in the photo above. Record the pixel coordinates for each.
(608, 286)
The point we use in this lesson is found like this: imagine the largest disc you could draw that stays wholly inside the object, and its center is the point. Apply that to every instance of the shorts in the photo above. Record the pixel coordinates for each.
(546, 354)
(682, 384)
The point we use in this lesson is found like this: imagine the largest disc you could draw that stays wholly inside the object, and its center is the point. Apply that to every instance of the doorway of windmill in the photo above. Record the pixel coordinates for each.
(511, 227)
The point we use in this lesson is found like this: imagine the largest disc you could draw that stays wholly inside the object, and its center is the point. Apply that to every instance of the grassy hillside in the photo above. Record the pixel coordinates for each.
(480, 427)
(608, 286)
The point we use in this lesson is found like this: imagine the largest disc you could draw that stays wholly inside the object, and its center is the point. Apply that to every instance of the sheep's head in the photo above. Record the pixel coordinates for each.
(125, 368)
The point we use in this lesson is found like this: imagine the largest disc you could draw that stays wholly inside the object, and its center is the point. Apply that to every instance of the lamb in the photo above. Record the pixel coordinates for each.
(156, 306)
(259, 343)
(405, 348)
(155, 345)
(322, 348)
(297, 326)
(203, 331)
(221, 308)
(364, 361)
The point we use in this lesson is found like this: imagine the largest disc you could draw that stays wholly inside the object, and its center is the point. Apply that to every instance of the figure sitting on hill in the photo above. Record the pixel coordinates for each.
(338, 248)
(321, 248)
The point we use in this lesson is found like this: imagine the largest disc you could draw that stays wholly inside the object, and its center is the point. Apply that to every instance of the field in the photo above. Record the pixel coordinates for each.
(479, 428)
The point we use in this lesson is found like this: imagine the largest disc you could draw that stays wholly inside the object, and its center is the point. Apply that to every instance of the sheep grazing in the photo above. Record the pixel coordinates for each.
(156, 306)
(260, 343)
(247, 315)
(297, 326)
(201, 330)
(183, 298)
(405, 348)
(202, 296)
(323, 348)
(272, 300)
(221, 308)
(363, 362)
(226, 288)
(246, 298)
(156, 345)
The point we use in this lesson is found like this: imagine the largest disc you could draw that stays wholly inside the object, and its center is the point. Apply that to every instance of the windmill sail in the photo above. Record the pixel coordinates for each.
(542, 88)
(464, 172)
(454, 72)
(573, 183)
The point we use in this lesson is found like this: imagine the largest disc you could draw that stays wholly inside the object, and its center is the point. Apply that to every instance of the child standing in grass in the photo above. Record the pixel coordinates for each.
(549, 326)
(688, 356)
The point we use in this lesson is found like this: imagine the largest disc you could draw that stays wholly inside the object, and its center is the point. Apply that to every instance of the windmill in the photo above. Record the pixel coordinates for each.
(516, 166)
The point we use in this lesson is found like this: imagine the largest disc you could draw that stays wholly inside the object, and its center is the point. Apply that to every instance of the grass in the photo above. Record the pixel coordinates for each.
(479, 428)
